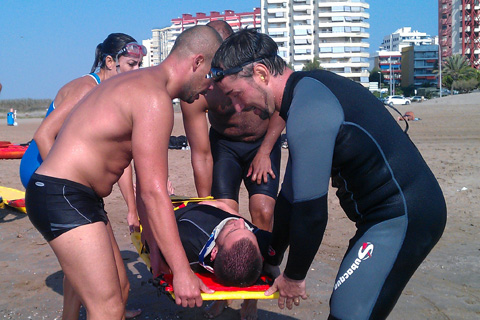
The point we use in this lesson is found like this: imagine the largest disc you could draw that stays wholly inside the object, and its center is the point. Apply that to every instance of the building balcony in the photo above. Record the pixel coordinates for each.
(277, 30)
(277, 20)
(303, 57)
(327, 65)
(276, 10)
(342, 55)
(275, 1)
(304, 17)
(329, 24)
(363, 15)
(301, 7)
(329, 4)
(357, 35)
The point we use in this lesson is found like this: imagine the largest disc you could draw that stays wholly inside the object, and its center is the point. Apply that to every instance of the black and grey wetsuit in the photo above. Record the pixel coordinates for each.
(337, 129)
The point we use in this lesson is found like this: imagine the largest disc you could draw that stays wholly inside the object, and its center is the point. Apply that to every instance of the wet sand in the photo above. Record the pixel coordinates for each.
(446, 286)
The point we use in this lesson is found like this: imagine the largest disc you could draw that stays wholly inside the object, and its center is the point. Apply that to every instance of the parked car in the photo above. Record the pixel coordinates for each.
(382, 100)
(417, 99)
(391, 100)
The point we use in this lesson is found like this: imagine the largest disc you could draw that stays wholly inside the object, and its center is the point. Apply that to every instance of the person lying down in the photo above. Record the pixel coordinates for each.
(218, 239)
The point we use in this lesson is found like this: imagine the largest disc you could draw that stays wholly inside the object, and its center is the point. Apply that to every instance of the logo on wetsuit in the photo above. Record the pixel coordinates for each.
(365, 252)
(271, 251)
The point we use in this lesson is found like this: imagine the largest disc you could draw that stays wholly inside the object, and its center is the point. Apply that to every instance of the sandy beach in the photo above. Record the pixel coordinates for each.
(446, 286)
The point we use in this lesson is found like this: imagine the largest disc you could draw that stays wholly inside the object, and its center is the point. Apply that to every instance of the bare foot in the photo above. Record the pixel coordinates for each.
(249, 310)
(215, 308)
(129, 314)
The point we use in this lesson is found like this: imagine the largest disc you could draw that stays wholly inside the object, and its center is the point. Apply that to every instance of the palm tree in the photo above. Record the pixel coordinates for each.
(457, 68)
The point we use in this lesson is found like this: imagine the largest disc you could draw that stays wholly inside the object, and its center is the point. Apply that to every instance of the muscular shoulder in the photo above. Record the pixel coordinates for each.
(74, 90)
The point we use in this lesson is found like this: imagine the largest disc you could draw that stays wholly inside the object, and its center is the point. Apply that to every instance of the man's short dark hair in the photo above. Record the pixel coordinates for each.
(249, 45)
(238, 266)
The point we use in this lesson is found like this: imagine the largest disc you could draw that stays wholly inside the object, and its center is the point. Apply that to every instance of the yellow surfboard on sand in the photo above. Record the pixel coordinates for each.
(13, 198)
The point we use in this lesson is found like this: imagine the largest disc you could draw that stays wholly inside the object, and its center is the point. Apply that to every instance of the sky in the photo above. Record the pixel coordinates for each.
(46, 43)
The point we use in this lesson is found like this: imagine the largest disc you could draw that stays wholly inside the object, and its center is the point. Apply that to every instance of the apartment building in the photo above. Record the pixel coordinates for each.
(418, 65)
(459, 29)
(389, 63)
(163, 39)
(390, 55)
(405, 37)
(332, 31)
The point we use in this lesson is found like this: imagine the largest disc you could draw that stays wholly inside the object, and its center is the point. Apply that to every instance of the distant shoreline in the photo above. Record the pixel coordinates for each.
(35, 108)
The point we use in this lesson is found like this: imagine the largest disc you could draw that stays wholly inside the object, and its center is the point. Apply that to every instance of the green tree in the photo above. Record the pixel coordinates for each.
(456, 68)
(375, 75)
(312, 65)
(466, 85)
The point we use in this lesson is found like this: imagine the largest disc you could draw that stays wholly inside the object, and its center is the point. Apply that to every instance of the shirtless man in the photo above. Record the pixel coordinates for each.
(133, 120)
(235, 138)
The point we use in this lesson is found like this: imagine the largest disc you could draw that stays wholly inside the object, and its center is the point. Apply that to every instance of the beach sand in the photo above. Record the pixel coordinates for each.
(446, 286)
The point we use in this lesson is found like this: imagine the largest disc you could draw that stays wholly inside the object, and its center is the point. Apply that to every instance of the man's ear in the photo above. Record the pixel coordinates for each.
(262, 73)
(214, 252)
(198, 60)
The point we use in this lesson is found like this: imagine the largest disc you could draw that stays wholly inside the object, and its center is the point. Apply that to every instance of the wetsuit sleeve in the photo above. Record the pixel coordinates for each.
(306, 234)
(314, 119)
(281, 231)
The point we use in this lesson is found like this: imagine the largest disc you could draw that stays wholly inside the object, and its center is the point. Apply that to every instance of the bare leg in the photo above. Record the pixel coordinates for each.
(71, 302)
(261, 209)
(88, 261)
(122, 274)
(216, 308)
(249, 310)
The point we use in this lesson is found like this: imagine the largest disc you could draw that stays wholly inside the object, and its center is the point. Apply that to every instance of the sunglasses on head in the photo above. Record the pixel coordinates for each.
(217, 74)
(132, 49)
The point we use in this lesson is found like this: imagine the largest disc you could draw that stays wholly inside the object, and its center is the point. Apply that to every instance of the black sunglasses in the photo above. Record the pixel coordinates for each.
(217, 74)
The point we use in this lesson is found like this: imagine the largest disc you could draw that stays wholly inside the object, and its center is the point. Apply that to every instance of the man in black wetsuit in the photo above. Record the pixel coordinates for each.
(337, 129)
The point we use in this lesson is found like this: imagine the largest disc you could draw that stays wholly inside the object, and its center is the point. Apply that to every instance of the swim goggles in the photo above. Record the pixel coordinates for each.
(132, 49)
(217, 74)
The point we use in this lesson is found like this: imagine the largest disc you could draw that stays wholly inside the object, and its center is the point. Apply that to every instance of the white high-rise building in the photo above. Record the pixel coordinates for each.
(332, 31)
(405, 37)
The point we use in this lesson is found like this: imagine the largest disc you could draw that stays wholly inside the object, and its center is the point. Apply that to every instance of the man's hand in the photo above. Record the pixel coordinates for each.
(187, 287)
(260, 168)
(290, 291)
(133, 222)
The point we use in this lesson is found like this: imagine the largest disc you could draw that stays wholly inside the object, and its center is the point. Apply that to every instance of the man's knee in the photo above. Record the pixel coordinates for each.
(109, 308)
(261, 210)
